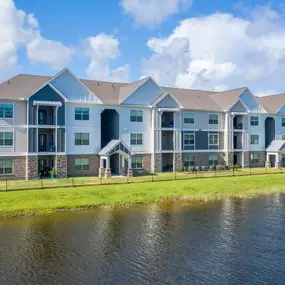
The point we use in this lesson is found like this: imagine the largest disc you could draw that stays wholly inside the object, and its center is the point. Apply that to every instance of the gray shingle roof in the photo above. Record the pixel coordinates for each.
(275, 146)
(23, 85)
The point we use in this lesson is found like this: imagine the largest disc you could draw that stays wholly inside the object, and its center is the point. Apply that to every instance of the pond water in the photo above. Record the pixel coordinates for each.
(225, 242)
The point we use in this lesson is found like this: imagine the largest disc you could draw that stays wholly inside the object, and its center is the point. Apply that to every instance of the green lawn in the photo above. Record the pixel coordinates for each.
(87, 181)
(44, 201)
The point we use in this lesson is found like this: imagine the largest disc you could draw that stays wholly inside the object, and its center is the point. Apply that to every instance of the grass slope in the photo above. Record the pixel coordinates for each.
(46, 201)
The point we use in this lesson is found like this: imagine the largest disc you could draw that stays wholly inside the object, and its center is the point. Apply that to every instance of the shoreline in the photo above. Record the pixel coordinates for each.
(40, 202)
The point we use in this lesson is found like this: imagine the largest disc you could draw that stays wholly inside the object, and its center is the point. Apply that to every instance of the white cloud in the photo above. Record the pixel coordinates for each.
(101, 50)
(53, 53)
(21, 30)
(153, 12)
(222, 51)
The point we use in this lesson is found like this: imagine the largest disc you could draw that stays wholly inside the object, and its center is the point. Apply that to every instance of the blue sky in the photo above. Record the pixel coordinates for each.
(201, 44)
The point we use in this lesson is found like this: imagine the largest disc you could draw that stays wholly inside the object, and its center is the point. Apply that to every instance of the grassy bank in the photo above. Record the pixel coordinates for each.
(46, 201)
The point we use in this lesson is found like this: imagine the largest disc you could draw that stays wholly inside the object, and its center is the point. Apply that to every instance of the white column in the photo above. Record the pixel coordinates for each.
(123, 161)
(108, 162)
(55, 140)
(101, 162)
(130, 162)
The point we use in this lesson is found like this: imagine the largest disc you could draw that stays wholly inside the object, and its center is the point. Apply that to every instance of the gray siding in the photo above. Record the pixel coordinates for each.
(167, 102)
(20, 113)
(32, 140)
(61, 140)
(46, 94)
(20, 140)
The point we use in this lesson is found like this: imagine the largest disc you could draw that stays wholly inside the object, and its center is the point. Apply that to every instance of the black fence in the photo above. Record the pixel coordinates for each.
(15, 184)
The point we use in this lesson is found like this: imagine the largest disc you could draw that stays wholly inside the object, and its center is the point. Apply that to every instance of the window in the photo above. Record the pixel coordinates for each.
(213, 159)
(6, 139)
(254, 157)
(189, 118)
(81, 164)
(254, 121)
(136, 139)
(6, 166)
(82, 114)
(213, 119)
(81, 138)
(254, 139)
(6, 111)
(189, 161)
(283, 122)
(213, 141)
(189, 140)
(136, 116)
(283, 137)
(137, 162)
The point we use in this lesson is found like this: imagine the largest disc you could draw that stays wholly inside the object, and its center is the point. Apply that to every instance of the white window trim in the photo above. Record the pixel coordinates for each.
(136, 139)
(137, 167)
(13, 136)
(5, 174)
(281, 122)
(13, 108)
(213, 160)
(251, 141)
(189, 155)
(186, 112)
(81, 165)
(209, 119)
(187, 133)
(257, 121)
(136, 116)
(82, 113)
(217, 144)
(81, 139)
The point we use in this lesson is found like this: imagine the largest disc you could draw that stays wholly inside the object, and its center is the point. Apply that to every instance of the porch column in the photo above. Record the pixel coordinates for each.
(55, 140)
(130, 170)
(123, 169)
(101, 169)
(267, 163)
(108, 169)
(277, 162)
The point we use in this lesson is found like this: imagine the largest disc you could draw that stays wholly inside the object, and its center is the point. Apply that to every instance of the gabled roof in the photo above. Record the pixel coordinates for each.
(272, 103)
(114, 146)
(128, 89)
(275, 146)
(226, 99)
(194, 99)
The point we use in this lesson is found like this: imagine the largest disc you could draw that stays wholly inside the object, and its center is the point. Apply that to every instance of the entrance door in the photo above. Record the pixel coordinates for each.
(42, 142)
(115, 163)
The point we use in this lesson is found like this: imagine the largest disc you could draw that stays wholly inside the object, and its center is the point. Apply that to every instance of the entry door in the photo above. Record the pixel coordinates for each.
(272, 159)
(235, 159)
(42, 142)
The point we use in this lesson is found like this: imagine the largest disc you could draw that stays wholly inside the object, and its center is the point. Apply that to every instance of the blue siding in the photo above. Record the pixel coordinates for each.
(144, 95)
(46, 94)
(201, 140)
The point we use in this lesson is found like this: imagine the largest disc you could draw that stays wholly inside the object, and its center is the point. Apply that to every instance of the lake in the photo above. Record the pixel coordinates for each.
(222, 242)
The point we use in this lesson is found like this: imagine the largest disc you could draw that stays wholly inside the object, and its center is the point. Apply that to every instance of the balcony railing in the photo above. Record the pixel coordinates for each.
(238, 145)
(48, 148)
(167, 125)
(238, 126)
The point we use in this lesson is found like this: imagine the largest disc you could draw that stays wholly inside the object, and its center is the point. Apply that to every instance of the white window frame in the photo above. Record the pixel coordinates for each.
(188, 162)
(211, 114)
(184, 144)
(212, 161)
(136, 116)
(136, 139)
(81, 139)
(283, 137)
(81, 113)
(4, 117)
(251, 136)
(282, 118)
(4, 139)
(254, 160)
(4, 162)
(81, 159)
(135, 163)
(189, 113)
(253, 120)
(215, 144)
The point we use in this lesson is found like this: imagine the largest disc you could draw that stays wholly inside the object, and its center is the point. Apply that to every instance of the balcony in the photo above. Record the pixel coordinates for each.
(238, 126)
(238, 145)
(167, 120)
(238, 122)
(46, 116)
(167, 141)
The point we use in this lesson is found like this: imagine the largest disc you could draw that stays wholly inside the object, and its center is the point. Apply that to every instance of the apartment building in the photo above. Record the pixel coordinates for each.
(85, 127)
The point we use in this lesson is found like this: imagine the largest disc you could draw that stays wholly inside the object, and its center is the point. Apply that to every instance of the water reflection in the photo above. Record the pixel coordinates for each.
(227, 242)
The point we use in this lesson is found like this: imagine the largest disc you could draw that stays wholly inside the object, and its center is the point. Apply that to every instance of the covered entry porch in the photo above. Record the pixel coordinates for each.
(115, 159)
(275, 154)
